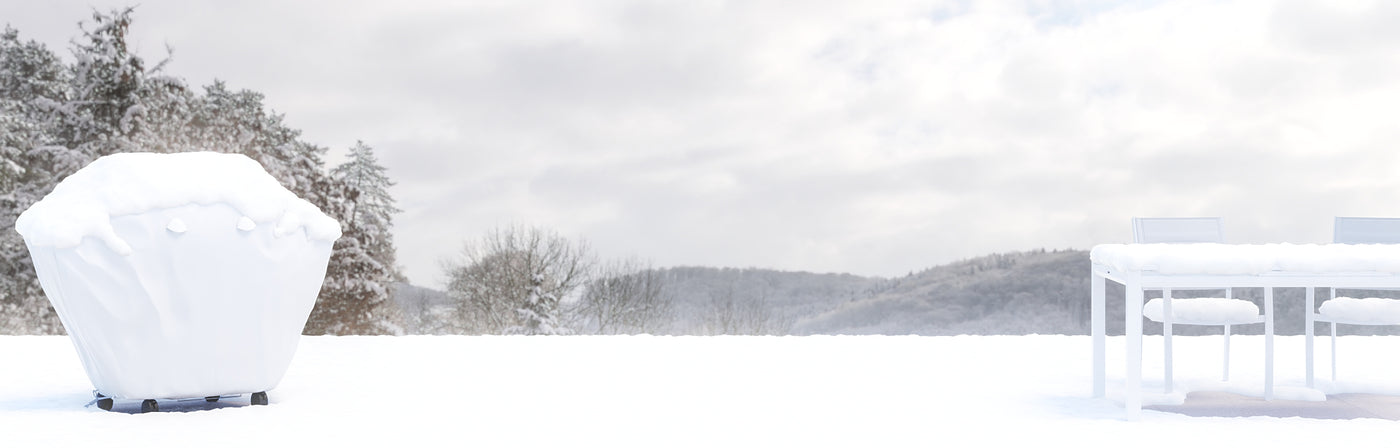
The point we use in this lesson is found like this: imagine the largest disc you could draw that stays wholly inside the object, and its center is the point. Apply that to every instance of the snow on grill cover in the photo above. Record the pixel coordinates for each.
(179, 275)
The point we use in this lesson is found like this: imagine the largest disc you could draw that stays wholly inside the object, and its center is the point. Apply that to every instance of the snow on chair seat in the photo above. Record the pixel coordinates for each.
(1190, 235)
(1367, 311)
(1352, 233)
(1205, 311)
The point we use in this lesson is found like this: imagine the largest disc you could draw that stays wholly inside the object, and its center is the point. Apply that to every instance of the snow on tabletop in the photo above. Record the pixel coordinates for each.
(1370, 310)
(1204, 311)
(83, 204)
(1248, 259)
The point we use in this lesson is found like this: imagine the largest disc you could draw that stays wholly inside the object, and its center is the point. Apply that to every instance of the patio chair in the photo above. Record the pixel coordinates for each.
(1349, 310)
(1212, 311)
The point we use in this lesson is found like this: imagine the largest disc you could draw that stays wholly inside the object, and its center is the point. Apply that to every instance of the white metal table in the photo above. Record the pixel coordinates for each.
(1142, 267)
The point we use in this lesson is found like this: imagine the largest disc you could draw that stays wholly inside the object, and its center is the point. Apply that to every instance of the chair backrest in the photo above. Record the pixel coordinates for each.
(1178, 230)
(1366, 230)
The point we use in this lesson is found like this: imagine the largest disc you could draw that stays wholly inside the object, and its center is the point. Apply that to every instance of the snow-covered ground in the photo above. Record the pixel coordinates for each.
(701, 391)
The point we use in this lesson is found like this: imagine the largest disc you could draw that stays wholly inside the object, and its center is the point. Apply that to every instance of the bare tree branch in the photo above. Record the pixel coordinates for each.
(494, 277)
(626, 297)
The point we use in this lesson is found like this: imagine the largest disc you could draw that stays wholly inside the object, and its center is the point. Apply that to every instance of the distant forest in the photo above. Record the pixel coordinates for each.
(1035, 292)
(1040, 292)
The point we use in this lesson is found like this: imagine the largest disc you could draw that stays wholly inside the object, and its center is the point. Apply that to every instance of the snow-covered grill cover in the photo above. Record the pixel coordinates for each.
(179, 275)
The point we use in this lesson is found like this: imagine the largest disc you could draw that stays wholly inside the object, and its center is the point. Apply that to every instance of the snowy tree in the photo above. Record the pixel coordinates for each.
(513, 275)
(357, 297)
(625, 297)
(236, 121)
(30, 75)
(373, 206)
(354, 298)
(538, 314)
(112, 94)
(57, 118)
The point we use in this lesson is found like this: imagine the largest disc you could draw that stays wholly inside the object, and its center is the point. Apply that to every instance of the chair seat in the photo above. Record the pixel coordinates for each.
(1367, 311)
(1206, 311)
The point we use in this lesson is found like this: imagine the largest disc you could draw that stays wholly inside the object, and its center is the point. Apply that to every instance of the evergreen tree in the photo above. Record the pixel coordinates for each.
(539, 313)
(373, 207)
(105, 109)
(352, 299)
(57, 118)
(236, 122)
(357, 296)
(32, 80)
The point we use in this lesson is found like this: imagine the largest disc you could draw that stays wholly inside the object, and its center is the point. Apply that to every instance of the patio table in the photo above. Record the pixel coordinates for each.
(1140, 267)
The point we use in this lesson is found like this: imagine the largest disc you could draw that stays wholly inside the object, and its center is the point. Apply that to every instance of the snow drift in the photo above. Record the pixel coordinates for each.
(179, 275)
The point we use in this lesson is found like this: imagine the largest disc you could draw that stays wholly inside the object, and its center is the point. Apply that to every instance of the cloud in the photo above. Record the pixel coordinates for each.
(873, 138)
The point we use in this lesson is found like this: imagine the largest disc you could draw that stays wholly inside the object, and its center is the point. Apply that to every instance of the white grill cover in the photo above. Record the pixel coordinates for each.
(177, 295)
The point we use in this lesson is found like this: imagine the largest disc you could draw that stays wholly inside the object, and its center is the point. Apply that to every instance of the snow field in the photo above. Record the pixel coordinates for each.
(705, 391)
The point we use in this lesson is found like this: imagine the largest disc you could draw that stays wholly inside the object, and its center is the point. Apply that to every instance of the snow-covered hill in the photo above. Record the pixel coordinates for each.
(788, 296)
(1033, 292)
(1014, 293)
(693, 391)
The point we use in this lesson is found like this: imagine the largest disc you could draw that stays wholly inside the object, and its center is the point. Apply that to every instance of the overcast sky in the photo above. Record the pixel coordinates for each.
(866, 137)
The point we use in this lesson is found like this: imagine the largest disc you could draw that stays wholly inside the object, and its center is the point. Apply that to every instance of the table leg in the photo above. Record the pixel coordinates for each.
(1132, 391)
(1098, 317)
(1167, 340)
(1225, 363)
(1268, 343)
(1308, 332)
